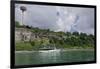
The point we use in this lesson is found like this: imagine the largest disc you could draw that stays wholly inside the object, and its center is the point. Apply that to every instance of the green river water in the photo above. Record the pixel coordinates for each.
(49, 57)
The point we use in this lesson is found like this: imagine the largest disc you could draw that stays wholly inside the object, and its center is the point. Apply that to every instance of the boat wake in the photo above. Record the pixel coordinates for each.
(54, 50)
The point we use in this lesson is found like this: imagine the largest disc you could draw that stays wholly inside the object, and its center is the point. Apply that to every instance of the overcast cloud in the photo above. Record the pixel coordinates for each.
(67, 19)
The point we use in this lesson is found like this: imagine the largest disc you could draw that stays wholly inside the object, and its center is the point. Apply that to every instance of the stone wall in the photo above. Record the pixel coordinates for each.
(22, 34)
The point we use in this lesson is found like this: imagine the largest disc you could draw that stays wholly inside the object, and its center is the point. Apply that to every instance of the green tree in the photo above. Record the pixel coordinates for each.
(68, 33)
(32, 43)
(17, 24)
(76, 33)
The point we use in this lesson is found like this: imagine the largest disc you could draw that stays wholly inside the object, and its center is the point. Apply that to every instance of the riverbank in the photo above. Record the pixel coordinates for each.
(78, 49)
(54, 50)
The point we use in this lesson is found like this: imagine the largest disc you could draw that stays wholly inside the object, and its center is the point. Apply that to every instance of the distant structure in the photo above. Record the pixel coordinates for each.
(24, 35)
(23, 9)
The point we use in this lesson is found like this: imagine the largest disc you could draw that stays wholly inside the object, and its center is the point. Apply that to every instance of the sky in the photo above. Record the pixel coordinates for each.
(57, 18)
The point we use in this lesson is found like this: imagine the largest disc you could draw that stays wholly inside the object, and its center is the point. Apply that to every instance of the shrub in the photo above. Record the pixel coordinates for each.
(23, 46)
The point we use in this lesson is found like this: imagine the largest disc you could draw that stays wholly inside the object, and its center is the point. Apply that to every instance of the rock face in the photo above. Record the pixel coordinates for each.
(22, 34)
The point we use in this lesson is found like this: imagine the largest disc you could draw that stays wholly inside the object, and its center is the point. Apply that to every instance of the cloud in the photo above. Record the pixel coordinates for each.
(58, 18)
